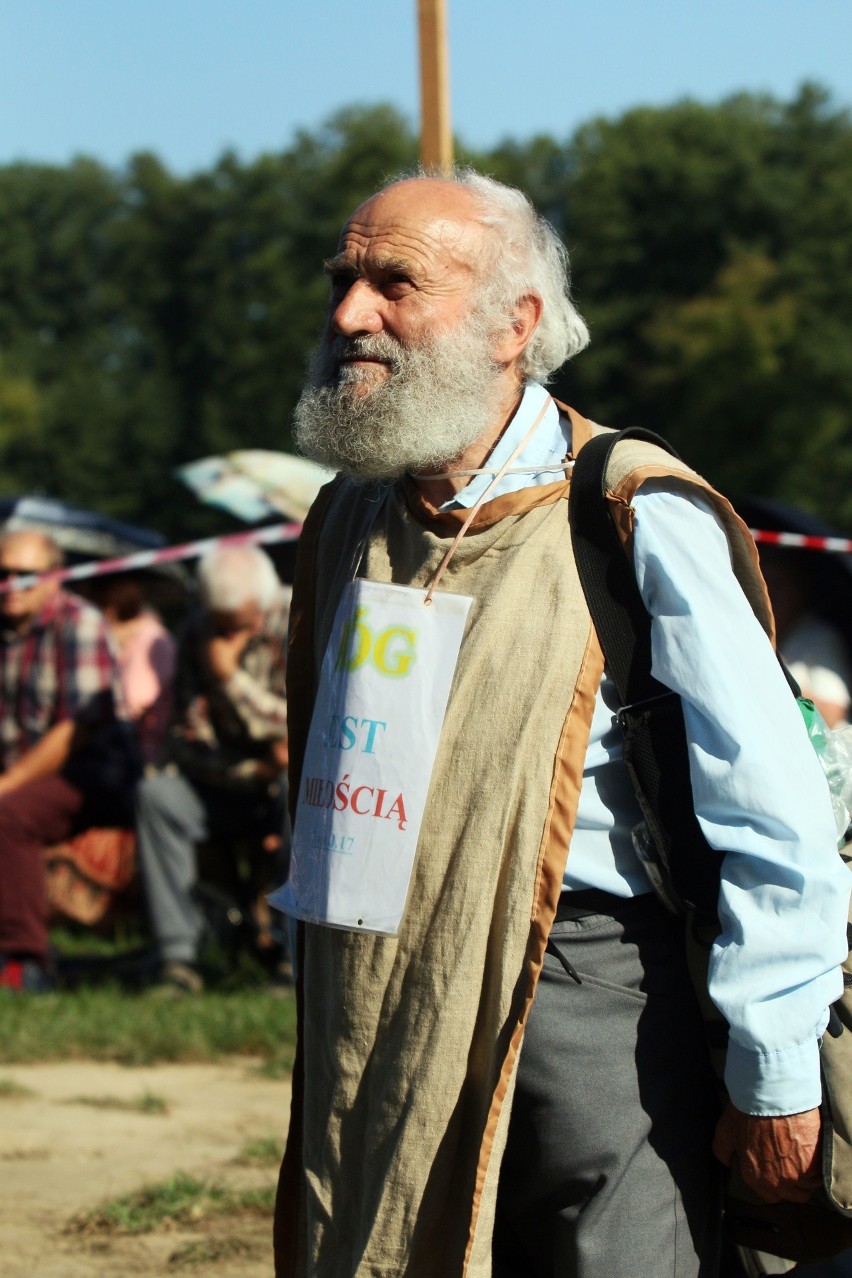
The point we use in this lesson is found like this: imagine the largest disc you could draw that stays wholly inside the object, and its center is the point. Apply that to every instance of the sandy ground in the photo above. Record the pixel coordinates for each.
(59, 1157)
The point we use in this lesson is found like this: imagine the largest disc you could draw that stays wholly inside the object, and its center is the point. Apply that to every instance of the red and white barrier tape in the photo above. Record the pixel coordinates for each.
(168, 554)
(289, 532)
(834, 545)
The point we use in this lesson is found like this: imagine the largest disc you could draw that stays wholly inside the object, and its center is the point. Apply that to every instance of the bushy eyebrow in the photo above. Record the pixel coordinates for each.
(338, 265)
(384, 263)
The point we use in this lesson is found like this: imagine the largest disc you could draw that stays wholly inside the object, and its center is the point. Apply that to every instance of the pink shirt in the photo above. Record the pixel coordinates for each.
(147, 661)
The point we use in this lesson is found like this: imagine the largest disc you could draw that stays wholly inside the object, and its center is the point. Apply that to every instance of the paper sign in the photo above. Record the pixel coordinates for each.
(382, 697)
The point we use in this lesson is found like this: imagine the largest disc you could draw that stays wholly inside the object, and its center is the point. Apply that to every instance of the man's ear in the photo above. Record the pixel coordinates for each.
(511, 342)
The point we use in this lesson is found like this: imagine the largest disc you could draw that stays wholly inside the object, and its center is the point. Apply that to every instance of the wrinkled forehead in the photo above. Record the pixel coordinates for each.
(427, 221)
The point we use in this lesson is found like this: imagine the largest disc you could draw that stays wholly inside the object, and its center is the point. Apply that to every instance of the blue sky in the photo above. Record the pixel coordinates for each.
(188, 78)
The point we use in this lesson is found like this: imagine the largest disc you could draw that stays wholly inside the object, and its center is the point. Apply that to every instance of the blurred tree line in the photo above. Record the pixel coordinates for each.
(148, 319)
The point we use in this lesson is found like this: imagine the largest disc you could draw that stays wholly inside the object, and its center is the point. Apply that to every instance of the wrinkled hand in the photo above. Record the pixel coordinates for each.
(224, 651)
(778, 1156)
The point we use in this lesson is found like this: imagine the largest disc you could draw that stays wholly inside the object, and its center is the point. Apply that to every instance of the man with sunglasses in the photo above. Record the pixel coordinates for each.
(66, 754)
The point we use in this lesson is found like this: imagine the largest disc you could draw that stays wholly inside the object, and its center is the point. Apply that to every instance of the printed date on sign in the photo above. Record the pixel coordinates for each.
(335, 843)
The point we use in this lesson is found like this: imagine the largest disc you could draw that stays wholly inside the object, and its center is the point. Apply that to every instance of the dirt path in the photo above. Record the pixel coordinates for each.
(59, 1157)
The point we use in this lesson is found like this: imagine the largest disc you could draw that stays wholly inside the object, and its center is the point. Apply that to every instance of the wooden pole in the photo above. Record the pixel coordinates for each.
(436, 137)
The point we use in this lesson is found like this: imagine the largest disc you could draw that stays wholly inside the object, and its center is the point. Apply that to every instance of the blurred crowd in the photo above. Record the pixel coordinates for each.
(142, 766)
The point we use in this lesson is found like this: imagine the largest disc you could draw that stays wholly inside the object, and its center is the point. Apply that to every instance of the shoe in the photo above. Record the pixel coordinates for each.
(26, 976)
(181, 978)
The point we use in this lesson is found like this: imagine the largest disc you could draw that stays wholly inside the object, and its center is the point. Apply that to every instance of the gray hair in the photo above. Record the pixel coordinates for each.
(524, 255)
(231, 576)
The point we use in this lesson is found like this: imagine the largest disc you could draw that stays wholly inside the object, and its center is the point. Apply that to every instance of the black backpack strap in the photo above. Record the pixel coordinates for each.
(680, 863)
(609, 582)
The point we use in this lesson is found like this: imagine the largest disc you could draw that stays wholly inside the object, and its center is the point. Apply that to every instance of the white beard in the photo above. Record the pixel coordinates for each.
(438, 399)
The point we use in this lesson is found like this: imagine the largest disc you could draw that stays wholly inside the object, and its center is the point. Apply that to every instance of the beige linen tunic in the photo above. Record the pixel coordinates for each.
(408, 1044)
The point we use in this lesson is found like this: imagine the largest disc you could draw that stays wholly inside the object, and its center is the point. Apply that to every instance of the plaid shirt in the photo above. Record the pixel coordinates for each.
(219, 731)
(62, 668)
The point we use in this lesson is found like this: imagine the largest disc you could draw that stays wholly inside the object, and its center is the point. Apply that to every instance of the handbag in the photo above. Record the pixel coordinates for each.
(684, 870)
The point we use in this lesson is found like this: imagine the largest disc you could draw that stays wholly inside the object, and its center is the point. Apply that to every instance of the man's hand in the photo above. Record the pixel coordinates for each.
(778, 1156)
(224, 652)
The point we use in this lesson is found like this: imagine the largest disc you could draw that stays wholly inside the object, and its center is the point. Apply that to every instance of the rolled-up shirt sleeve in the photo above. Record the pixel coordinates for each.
(761, 799)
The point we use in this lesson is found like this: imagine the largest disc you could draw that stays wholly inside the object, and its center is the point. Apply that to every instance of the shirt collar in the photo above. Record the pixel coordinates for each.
(550, 443)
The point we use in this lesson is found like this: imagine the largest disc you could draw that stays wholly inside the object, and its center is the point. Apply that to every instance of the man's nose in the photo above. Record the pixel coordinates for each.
(358, 311)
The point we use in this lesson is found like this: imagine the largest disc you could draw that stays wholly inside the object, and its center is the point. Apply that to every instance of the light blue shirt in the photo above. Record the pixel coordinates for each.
(760, 795)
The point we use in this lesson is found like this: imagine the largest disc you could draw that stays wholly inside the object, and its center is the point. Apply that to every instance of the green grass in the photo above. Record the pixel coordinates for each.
(266, 1150)
(207, 1251)
(277, 1066)
(107, 1024)
(10, 1090)
(147, 1103)
(181, 1199)
(75, 939)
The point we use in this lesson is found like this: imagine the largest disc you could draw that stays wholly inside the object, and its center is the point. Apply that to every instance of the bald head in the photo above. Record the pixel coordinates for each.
(519, 255)
(439, 290)
(39, 552)
(431, 196)
(428, 197)
(408, 264)
(21, 553)
(434, 221)
(516, 267)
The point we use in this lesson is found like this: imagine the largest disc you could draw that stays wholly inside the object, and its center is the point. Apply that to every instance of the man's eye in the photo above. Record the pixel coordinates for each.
(340, 275)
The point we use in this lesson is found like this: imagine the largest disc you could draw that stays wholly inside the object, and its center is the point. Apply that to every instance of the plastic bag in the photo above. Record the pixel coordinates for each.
(834, 751)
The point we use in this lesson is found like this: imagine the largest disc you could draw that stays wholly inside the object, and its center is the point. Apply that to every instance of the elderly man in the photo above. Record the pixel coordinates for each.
(516, 1067)
(226, 749)
(66, 753)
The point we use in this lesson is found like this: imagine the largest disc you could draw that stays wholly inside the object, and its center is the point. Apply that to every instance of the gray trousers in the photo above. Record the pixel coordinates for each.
(173, 816)
(608, 1171)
